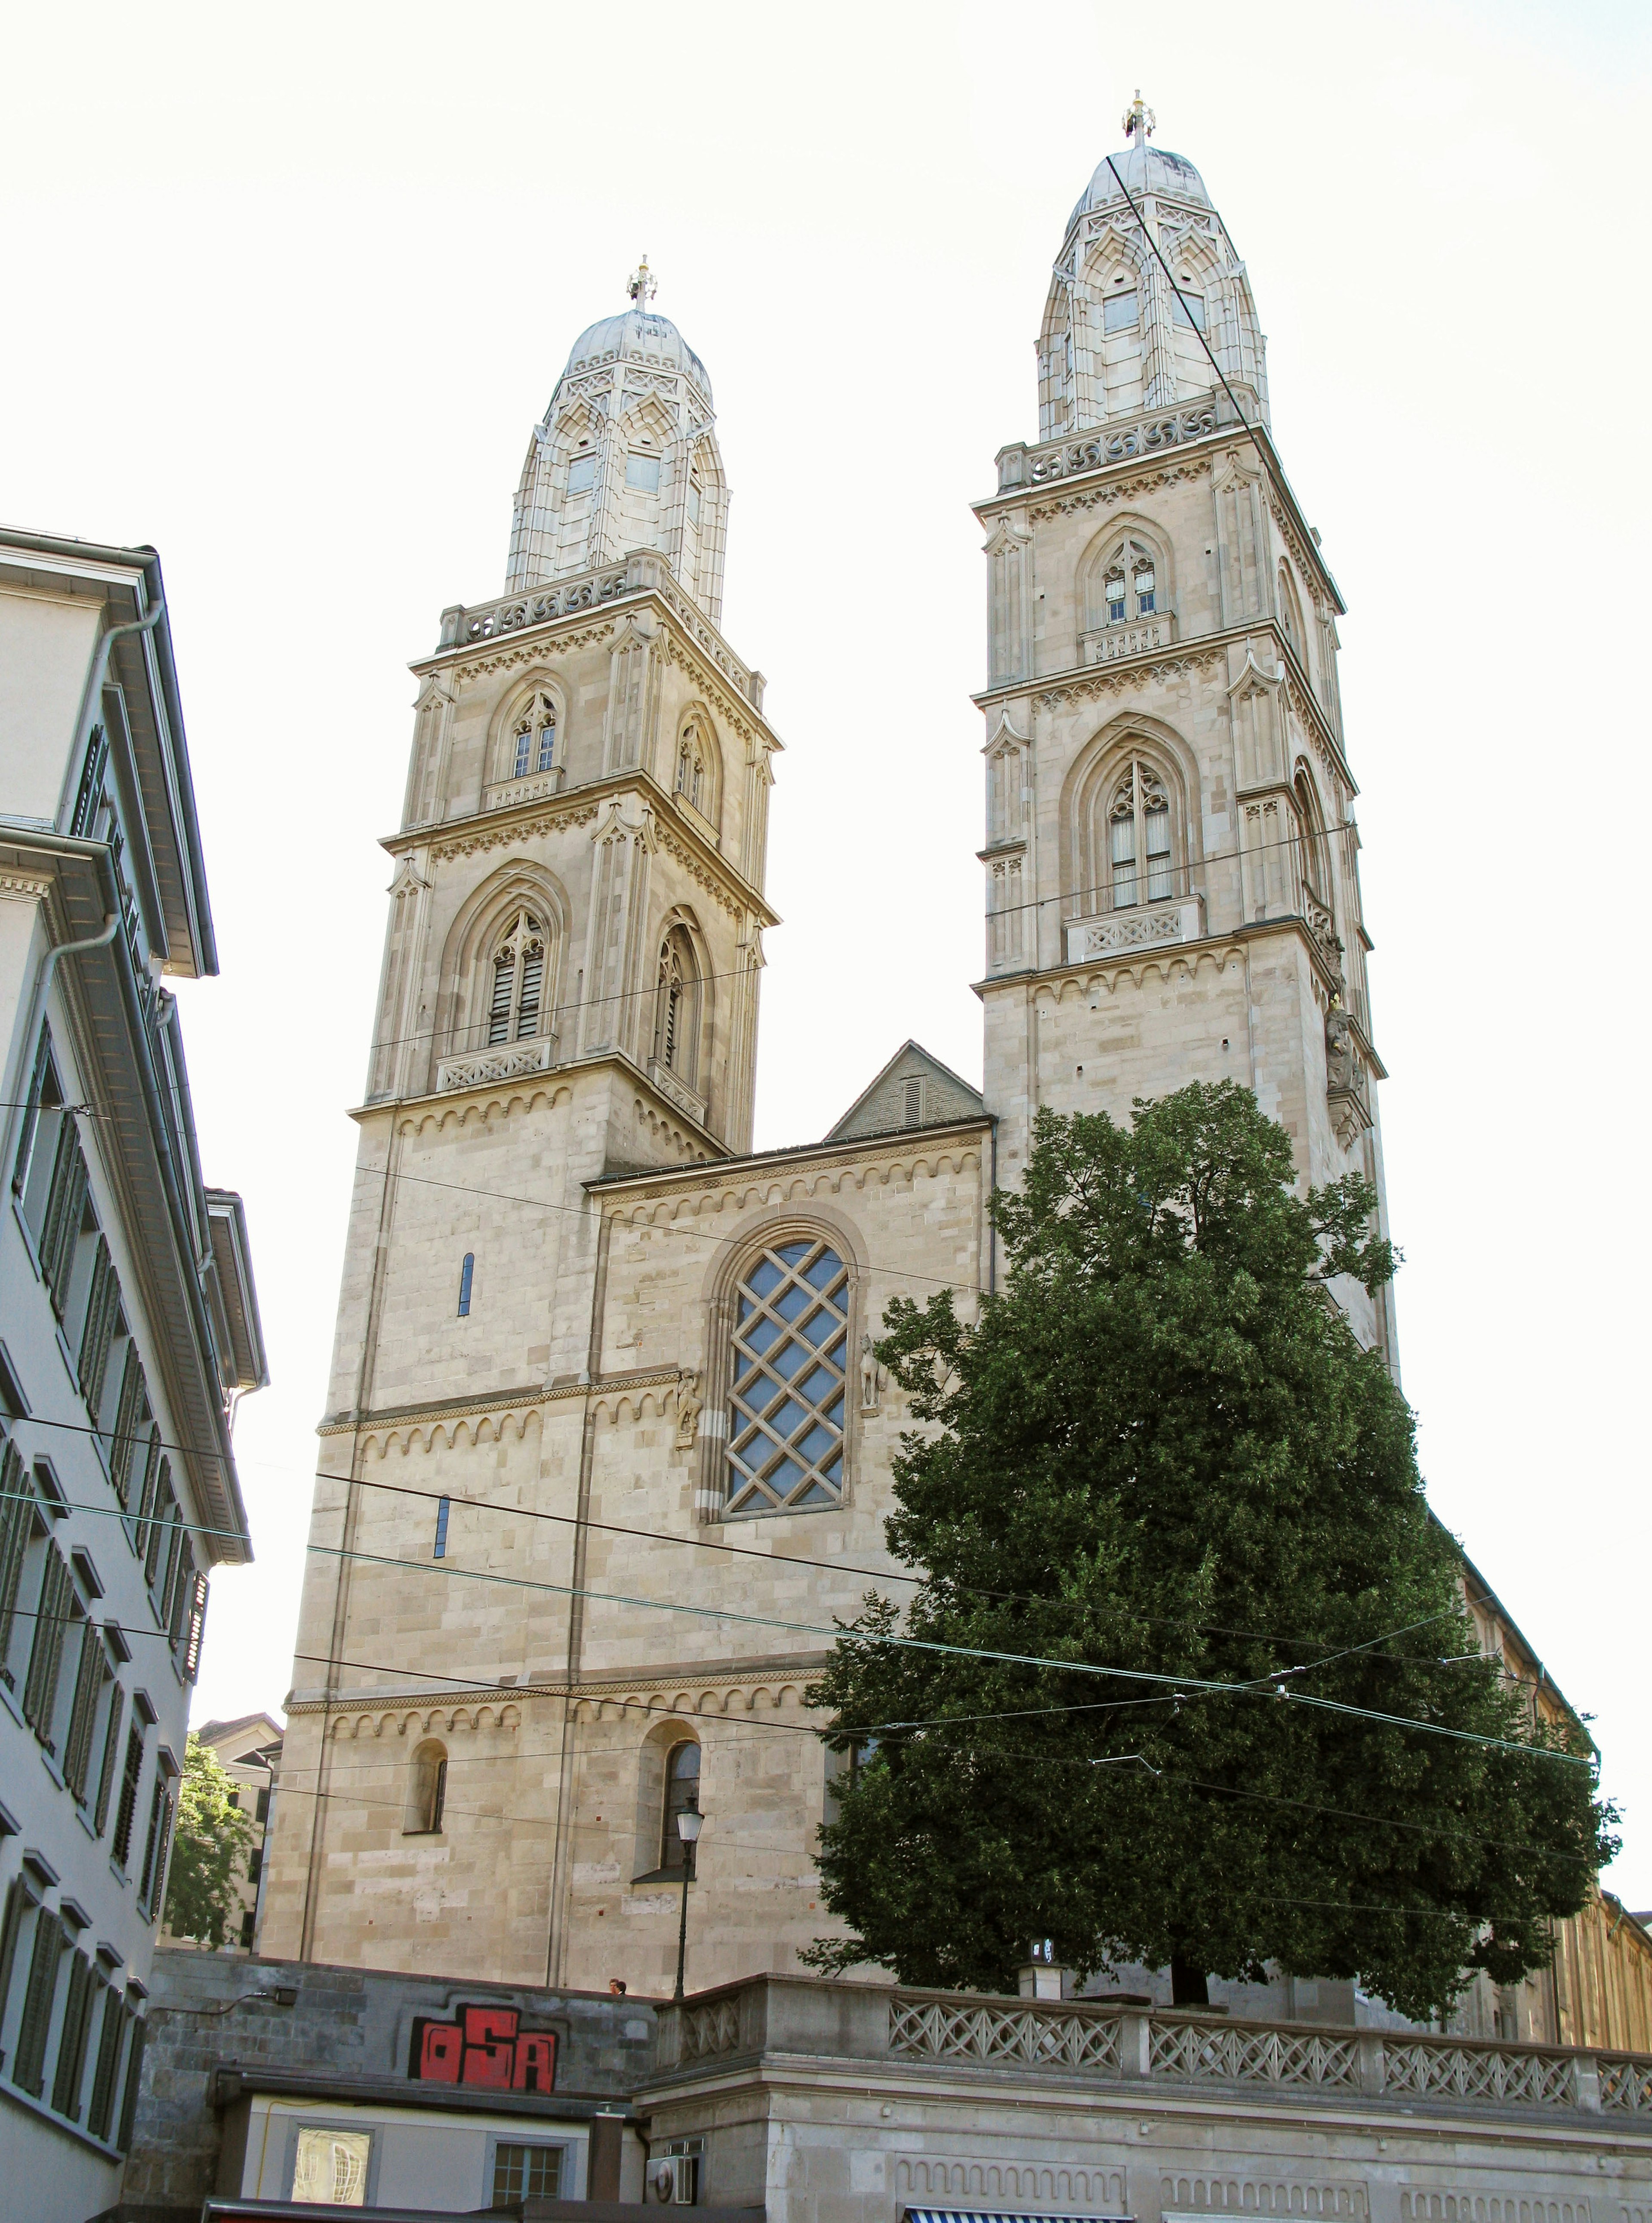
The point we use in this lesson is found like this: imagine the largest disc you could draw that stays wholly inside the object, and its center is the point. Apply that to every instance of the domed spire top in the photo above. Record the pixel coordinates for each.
(1139, 119)
(643, 284)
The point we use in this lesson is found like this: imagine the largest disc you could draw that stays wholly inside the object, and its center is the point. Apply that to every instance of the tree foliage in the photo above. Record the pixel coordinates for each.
(1160, 1449)
(210, 1842)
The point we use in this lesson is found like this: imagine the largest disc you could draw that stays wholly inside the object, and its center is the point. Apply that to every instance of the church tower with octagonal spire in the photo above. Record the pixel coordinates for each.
(1173, 891)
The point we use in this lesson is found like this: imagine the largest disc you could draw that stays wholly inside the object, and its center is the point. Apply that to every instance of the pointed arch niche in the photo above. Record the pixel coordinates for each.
(1130, 833)
(1126, 590)
(694, 773)
(527, 741)
(499, 1007)
(680, 1052)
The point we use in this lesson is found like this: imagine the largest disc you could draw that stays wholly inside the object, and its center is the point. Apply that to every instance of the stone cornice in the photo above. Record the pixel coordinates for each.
(482, 830)
(1088, 682)
(634, 1190)
(498, 1400)
(700, 1686)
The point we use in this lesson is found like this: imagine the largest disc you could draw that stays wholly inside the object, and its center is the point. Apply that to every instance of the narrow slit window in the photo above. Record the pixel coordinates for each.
(441, 1551)
(1146, 582)
(466, 1272)
(1114, 591)
(547, 738)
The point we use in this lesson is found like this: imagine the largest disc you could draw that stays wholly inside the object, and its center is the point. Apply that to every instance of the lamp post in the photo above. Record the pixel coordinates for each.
(688, 1821)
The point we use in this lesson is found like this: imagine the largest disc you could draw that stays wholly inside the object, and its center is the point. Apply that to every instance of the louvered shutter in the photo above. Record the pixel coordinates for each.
(112, 1757)
(17, 1502)
(110, 2035)
(133, 2071)
(98, 1331)
(45, 1655)
(71, 2041)
(90, 1675)
(29, 2068)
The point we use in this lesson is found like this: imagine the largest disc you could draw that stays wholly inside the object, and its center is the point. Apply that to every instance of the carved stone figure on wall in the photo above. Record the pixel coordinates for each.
(688, 1409)
(1339, 1047)
(869, 1377)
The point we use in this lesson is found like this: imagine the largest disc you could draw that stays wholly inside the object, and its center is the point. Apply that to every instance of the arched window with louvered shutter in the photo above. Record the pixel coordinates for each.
(677, 1019)
(519, 981)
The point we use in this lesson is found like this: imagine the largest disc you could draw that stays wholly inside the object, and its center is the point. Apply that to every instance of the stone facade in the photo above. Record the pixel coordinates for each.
(535, 1604)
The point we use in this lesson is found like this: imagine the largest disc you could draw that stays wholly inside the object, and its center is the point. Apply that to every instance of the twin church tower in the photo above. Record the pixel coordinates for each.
(605, 1448)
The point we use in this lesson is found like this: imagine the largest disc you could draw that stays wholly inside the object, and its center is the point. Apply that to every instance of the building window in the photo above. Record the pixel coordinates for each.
(1121, 311)
(441, 1551)
(466, 1274)
(682, 1792)
(582, 473)
(1145, 582)
(791, 1341)
(1187, 307)
(329, 2168)
(126, 1812)
(694, 503)
(519, 981)
(1138, 839)
(1316, 870)
(526, 2172)
(677, 1024)
(427, 1790)
(1115, 592)
(642, 473)
(248, 1921)
(535, 747)
(691, 781)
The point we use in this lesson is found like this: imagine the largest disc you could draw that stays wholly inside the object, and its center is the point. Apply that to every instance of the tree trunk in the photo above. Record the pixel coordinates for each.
(1188, 1985)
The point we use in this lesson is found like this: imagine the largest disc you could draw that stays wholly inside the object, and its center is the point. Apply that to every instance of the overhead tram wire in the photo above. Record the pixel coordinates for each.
(769, 1559)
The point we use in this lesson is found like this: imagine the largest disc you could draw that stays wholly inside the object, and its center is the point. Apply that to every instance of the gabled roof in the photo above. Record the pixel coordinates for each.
(914, 1089)
(263, 1726)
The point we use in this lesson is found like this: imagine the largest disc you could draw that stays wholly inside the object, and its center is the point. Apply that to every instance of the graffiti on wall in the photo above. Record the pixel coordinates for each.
(484, 2046)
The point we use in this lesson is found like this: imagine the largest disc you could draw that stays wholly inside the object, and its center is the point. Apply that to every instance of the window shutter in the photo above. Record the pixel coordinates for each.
(29, 2068)
(498, 1013)
(124, 1444)
(32, 1110)
(109, 2060)
(45, 1655)
(134, 2071)
(98, 1328)
(127, 1812)
(19, 1899)
(533, 972)
(112, 1757)
(90, 1677)
(17, 1502)
(64, 1202)
(161, 1531)
(197, 1624)
(71, 2041)
(153, 1481)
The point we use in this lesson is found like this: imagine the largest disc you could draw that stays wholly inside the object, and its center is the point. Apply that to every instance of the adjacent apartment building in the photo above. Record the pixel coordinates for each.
(248, 1749)
(128, 1324)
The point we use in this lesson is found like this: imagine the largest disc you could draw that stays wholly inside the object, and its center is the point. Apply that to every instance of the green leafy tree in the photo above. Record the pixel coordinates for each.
(1160, 1449)
(211, 1839)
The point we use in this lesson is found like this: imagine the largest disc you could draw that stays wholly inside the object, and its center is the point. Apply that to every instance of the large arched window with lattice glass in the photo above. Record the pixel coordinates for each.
(518, 983)
(1141, 864)
(533, 746)
(676, 1017)
(787, 1407)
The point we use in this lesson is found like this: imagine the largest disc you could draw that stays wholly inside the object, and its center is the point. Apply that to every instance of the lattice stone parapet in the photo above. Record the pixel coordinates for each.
(500, 1062)
(1061, 459)
(506, 794)
(675, 1091)
(1105, 644)
(1146, 926)
(642, 572)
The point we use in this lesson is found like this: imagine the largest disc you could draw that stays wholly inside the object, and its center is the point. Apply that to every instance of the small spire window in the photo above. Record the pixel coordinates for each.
(642, 473)
(691, 766)
(694, 503)
(1140, 839)
(1121, 311)
(677, 1019)
(582, 473)
(1187, 308)
(519, 981)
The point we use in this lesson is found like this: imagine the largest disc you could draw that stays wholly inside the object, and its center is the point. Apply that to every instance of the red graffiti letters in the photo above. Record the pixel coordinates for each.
(483, 2046)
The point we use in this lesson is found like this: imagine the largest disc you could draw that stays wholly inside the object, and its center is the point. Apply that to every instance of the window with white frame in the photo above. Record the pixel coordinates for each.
(533, 748)
(1130, 583)
(526, 2172)
(791, 1344)
(1142, 866)
(518, 980)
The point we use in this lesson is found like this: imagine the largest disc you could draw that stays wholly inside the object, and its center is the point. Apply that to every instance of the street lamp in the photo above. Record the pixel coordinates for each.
(689, 1825)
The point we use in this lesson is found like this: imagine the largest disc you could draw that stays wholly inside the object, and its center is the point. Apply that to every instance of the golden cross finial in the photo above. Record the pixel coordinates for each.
(1137, 118)
(643, 286)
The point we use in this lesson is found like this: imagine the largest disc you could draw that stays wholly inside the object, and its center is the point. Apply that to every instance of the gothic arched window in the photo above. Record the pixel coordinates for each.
(791, 1346)
(676, 1021)
(427, 1789)
(534, 745)
(1131, 586)
(692, 782)
(518, 980)
(681, 1793)
(1315, 862)
(1138, 839)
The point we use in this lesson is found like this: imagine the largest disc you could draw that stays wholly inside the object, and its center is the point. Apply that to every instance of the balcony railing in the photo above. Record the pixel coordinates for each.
(475, 1068)
(676, 1092)
(1150, 2050)
(1144, 926)
(506, 794)
(1130, 637)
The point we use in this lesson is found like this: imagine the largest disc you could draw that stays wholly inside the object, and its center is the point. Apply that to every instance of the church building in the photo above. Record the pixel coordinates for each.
(607, 1449)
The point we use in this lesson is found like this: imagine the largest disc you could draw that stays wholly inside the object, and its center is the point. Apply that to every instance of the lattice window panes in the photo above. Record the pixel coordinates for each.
(1138, 839)
(791, 1342)
(533, 749)
(518, 980)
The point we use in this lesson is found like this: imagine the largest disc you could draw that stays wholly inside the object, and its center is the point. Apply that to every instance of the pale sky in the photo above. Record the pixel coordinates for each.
(284, 292)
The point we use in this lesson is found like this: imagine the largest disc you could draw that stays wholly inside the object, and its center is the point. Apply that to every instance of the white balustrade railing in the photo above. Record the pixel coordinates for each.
(474, 1068)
